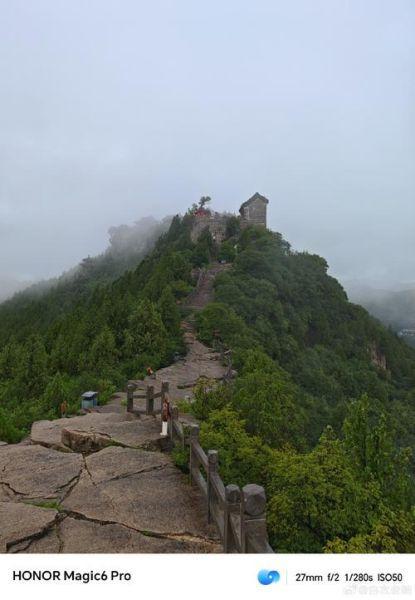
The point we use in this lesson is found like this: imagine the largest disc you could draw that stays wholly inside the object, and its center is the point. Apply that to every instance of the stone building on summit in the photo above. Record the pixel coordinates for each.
(251, 212)
(254, 211)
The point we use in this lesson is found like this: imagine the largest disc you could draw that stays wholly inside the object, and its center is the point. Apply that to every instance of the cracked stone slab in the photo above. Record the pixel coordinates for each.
(21, 522)
(116, 463)
(112, 428)
(37, 472)
(155, 497)
(48, 543)
(77, 536)
(7, 494)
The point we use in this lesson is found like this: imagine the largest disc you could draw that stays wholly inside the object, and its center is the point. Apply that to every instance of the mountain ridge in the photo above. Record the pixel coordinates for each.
(320, 384)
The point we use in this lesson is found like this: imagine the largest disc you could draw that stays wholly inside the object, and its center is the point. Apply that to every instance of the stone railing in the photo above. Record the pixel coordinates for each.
(239, 515)
(149, 397)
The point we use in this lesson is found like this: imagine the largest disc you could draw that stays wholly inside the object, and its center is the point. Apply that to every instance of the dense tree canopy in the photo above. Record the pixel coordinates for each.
(88, 331)
(314, 396)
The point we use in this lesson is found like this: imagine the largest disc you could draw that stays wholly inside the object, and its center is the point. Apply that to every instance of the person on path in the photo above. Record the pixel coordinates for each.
(165, 415)
(63, 409)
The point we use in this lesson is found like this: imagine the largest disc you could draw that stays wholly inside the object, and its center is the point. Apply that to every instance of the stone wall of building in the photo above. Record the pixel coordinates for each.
(252, 212)
(216, 222)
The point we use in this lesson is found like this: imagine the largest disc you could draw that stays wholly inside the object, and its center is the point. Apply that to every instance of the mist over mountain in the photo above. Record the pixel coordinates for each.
(328, 134)
(395, 308)
(127, 245)
(10, 286)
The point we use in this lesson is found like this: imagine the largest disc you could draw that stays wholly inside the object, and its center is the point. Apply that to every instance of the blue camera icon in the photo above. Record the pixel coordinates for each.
(266, 577)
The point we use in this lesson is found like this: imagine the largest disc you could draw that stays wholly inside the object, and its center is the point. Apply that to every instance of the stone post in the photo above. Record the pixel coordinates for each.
(193, 433)
(174, 417)
(150, 400)
(212, 468)
(193, 437)
(164, 389)
(255, 502)
(130, 397)
(232, 507)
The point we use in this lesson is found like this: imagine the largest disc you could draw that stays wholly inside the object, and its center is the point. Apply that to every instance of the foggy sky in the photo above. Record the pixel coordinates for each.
(114, 110)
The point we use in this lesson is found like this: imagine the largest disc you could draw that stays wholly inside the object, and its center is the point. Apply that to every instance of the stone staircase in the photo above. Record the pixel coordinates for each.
(204, 292)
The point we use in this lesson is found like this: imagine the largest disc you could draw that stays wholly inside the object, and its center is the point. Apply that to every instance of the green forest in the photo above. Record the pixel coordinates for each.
(326, 429)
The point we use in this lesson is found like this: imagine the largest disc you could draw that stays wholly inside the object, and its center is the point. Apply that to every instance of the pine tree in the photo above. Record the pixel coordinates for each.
(169, 311)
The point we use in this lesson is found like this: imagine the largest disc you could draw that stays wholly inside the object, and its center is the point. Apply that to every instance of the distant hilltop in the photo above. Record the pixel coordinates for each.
(407, 333)
(251, 212)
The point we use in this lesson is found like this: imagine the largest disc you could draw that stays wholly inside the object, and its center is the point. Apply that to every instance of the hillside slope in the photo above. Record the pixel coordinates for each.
(39, 305)
(322, 410)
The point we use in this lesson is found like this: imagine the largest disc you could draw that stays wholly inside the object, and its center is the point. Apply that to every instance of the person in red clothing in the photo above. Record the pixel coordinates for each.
(165, 415)
(150, 372)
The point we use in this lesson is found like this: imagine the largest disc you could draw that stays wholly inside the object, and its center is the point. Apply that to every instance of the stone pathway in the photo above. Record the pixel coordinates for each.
(199, 362)
(204, 291)
(102, 482)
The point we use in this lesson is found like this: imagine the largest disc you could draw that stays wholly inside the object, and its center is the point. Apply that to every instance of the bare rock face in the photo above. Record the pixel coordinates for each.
(377, 357)
(95, 431)
(141, 490)
(84, 442)
(20, 522)
(3, 443)
(34, 472)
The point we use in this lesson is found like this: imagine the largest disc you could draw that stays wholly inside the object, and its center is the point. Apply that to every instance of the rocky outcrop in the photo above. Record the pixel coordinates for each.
(377, 357)
(94, 431)
(84, 442)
